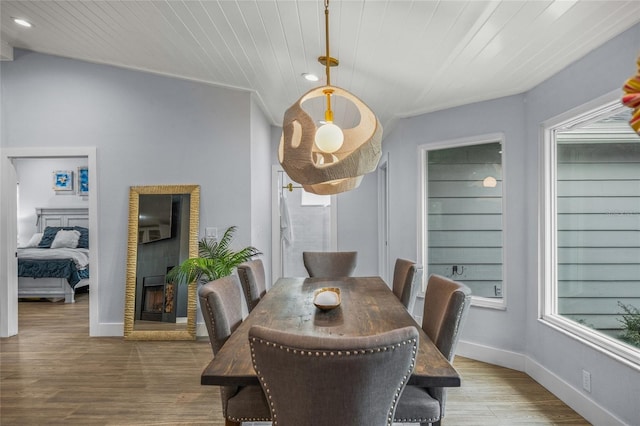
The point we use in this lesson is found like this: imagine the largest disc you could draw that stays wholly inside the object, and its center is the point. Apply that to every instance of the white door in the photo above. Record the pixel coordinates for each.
(302, 222)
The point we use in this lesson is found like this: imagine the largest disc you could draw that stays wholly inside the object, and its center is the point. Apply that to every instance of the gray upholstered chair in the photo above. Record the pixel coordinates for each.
(406, 280)
(330, 264)
(253, 281)
(221, 304)
(446, 304)
(328, 381)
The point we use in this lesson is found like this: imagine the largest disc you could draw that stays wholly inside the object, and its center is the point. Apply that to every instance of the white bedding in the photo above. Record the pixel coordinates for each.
(80, 256)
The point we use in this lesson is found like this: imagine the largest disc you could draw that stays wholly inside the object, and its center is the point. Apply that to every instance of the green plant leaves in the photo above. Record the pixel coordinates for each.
(631, 322)
(215, 259)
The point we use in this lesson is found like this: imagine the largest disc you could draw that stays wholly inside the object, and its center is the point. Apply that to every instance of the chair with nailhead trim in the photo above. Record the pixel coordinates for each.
(330, 264)
(253, 281)
(328, 381)
(221, 305)
(446, 304)
(406, 279)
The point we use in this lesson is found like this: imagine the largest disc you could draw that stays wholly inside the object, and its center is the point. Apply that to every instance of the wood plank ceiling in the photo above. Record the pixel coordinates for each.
(403, 58)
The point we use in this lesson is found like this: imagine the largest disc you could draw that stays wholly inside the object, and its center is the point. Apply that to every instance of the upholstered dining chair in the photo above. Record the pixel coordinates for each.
(253, 281)
(221, 304)
(446, 304)
(406, 279)
(327, 381)
(330, 264)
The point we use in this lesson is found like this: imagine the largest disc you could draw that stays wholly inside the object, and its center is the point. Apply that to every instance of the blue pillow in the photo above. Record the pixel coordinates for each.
(48, 236)
(84, 236)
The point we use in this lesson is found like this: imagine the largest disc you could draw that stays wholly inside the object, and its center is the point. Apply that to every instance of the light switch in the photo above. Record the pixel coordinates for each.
(211, 232)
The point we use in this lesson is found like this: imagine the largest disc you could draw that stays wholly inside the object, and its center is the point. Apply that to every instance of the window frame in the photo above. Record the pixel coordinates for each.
(423, 196)
(594, 110)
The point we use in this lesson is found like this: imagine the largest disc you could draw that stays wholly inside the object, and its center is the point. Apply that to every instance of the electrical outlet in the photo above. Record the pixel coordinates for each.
(586, 380)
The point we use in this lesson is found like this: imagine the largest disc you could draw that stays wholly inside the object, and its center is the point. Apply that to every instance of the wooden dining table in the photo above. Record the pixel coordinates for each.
(368, 307)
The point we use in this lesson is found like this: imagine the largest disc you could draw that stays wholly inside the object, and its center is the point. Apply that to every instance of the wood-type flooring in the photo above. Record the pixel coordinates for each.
(53, 373)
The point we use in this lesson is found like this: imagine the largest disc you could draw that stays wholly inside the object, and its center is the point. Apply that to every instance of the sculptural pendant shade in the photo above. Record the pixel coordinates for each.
(329, 160)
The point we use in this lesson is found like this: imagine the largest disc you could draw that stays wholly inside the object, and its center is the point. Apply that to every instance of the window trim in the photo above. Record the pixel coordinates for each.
(423, 196)
(547, 226)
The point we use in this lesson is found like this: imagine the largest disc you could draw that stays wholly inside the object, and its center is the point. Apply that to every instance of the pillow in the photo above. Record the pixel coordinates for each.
(66, 239)
(34, 241)
(84, 236)
(48, 236)
(51, 231)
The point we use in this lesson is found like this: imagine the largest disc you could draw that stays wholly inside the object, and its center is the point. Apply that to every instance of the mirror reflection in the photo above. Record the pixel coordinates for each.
(163, 228)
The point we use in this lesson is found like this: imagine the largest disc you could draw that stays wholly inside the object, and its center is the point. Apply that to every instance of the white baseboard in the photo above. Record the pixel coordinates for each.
(201, 330)
(574, 398)
(110, 329)
(508, 359)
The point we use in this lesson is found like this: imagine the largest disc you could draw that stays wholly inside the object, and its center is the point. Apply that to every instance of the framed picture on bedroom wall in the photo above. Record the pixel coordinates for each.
(83, 180)
(63, 180)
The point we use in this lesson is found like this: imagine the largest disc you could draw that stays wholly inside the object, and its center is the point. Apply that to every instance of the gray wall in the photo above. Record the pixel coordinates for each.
(615, 385)
(358, 224)
(516, 330)
(36, 190)
(260, 185)
(501, 329)
(148, 130)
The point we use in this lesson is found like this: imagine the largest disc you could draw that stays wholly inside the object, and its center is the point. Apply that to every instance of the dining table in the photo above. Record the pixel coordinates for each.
(367, 307)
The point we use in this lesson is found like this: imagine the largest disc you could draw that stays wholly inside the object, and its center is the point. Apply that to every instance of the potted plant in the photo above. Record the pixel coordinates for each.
(215, 260)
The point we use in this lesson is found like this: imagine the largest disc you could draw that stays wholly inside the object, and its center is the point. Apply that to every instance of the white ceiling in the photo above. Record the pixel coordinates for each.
(402, 58)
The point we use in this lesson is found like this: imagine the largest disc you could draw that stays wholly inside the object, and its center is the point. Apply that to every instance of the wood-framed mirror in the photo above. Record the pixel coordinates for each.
(163, 232)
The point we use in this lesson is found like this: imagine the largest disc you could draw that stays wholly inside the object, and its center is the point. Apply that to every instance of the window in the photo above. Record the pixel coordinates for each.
(592, 227)
(462, 238)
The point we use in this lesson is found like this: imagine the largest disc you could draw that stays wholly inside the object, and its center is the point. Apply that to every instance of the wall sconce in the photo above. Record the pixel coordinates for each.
(328, 160)
(489, 182)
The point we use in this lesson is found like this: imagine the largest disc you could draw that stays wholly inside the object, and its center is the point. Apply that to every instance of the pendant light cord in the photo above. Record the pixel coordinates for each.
(326, 28)
(328, 114)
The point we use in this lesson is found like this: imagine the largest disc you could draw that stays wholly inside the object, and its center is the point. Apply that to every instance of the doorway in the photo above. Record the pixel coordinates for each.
(8, 231)
(301, 222)
(383, 219)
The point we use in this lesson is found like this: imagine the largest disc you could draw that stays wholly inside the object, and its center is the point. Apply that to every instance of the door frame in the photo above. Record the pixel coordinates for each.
(276, 249)
(8, 282)
(384, 267)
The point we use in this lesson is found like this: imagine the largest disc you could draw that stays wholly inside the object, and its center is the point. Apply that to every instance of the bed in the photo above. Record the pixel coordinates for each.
(55, 262)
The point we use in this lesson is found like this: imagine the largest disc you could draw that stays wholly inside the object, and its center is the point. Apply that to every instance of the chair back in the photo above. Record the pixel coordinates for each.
(446, 304)
(330, 264)
(327, 381)
(221, 305)
(406, 279)
(253, 281)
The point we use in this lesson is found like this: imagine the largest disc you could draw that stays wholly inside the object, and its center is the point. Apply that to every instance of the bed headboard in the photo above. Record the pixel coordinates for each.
(62, 216)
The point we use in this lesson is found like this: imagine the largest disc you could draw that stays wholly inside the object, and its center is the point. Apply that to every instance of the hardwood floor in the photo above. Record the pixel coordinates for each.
(53, 373)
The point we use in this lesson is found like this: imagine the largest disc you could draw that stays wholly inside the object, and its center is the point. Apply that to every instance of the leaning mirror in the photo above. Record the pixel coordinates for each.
(163, 232)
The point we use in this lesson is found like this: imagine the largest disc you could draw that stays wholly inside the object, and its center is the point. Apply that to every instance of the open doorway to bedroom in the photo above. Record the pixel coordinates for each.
(52, 229)
(49, 187)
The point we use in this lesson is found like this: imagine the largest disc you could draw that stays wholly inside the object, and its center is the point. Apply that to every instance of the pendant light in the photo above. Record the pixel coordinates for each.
(327, 159)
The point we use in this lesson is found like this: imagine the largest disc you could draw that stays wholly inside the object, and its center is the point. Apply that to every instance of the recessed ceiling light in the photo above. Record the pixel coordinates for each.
(22, 22)
(310, 77)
